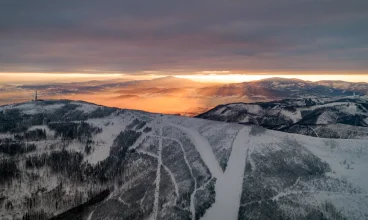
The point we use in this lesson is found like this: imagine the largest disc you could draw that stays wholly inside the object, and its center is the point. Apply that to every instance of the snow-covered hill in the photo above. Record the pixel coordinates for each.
(277, 88)
(340, 117)
(76, 160)
(361, 87)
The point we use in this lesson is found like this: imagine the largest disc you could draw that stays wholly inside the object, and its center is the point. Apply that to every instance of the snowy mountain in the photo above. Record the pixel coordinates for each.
(361, 87)
(340, 117)
(277, 88)
(76, 160)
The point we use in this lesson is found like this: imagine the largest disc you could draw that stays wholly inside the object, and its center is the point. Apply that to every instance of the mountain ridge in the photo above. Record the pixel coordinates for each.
(297, 115)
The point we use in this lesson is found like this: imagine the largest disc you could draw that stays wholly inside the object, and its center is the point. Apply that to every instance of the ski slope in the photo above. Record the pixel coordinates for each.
(204, 149)
(229, 184)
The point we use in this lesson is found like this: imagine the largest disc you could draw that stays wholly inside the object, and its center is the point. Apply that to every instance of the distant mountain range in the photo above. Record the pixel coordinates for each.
(322, 117)
(266, 89)
(280, 88)
(351, 86)
(169, 94)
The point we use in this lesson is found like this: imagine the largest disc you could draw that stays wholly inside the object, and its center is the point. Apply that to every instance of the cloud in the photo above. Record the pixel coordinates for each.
(183, 36)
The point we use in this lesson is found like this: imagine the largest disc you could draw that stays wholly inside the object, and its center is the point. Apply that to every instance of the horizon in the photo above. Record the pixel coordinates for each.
(48, 78)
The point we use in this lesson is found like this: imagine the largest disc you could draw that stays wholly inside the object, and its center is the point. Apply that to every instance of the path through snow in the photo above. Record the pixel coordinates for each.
(158, 177)
(90, 215)
(229, 185)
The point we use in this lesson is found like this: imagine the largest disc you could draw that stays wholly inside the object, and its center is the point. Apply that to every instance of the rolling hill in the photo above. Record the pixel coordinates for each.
(340, 117)
(278, 88)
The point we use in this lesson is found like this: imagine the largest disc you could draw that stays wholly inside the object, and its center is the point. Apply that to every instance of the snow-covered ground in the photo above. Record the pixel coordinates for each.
(32, 108)
(85, 107)
(229, 184)
(204, 149)
(175, 159)
(111, 127)
(294, 116)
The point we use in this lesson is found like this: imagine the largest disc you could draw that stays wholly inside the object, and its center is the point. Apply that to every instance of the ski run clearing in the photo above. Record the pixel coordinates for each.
(229, 184)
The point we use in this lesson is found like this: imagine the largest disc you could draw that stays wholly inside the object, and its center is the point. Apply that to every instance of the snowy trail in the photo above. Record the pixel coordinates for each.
(148, 153)
(314, 131)
(138, 142)
(90, 215)
(167, 170)
(229, 185)
(174, 182)
(192, 196)
(158, 178)
(122, 201)
(203, 148)
(167, 138)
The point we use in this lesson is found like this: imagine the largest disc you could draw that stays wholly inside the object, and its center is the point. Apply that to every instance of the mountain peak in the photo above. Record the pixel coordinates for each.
(280, 79)
(166, 77)
(172, 81)
(171, 78)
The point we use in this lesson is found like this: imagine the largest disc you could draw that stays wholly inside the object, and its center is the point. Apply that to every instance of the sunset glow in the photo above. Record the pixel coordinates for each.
(219, 77)
(187, 94)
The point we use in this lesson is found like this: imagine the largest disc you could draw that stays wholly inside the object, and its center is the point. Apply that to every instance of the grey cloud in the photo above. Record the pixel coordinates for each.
(133, 36)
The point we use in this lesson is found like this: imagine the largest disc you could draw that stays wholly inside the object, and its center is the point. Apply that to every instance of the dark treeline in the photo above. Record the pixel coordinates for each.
(10, 147)
(76, 213)
(71, 163)
(147, 129)
(35, 215)
(36, 161)
(35, 135)
(138, 124)
(11, 121)
(32, 135)
(73, 130)
(8, 170)
(111, 167)
(68, 163)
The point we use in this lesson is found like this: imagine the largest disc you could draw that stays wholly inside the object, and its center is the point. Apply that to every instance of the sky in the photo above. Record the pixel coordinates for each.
(188, 38)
